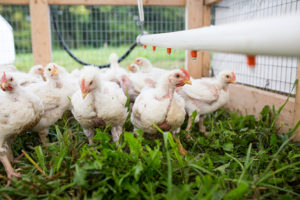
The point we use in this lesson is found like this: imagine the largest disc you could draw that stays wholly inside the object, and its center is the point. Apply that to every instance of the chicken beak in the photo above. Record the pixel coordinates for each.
(4, 85)
(84, 94)
(130, 68)
(187, 81)
(55, 72)
(233, 80)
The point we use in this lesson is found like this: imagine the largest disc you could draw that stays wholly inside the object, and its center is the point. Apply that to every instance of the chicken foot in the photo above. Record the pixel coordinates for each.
(116, 131)
(188, 127)
(8, 168)
(190, 120)
(43, 136)
(89, 133)
(202, 128)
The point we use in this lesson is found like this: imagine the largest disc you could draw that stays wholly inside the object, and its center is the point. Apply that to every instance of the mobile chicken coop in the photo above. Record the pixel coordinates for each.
(257, 29)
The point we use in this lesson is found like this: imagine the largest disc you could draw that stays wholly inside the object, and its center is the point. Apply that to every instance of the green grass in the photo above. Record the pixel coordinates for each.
(100, 56)
(242, 158)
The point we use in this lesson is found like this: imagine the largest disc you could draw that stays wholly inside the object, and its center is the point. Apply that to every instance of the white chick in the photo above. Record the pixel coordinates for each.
(99, 103)
(133, 83)
(206, 95)
(20, 111)
(38, 72)
(161, 105)
(54, 96)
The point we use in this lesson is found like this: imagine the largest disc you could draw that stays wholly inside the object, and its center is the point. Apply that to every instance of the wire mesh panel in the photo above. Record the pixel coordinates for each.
(272, 73)
(19, 19)
(93, 32)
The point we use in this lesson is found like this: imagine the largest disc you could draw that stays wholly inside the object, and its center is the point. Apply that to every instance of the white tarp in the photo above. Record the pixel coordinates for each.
(7, 46)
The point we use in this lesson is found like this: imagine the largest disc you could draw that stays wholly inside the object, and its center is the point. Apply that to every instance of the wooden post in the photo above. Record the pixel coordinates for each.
(197, 15)
(297, 105)
(40, 31)
(206, 55)
(194, 19)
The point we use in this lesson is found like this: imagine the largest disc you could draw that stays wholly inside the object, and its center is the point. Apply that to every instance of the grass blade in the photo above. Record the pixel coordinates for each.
(236, 160)
(279, 188)
(169, 178)
(268, 174)
(34, 163)
(246, 164)
(201, 169)
(40, 156)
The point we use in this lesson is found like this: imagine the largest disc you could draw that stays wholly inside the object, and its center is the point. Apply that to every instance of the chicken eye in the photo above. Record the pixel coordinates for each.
(49, 69)
(91, 82)
(177, 76)
(227, 76)
(11, 79)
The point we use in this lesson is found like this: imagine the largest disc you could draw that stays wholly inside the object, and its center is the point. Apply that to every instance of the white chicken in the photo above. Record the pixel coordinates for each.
(206, 95)
(25, 79)
(69, 79)
(146, 66)
(161, 105)
(148, 81)
(37, 71)
(54, 96)
(20, 111)
(133, 68)
(133, 83)
(99, 103)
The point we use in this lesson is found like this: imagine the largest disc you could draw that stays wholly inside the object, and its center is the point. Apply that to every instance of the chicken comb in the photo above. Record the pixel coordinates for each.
(233, 75)
(185, 72)
(3, 79)
(82, 85)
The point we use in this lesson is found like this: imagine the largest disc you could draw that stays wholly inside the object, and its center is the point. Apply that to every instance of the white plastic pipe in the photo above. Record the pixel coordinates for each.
(279, 36)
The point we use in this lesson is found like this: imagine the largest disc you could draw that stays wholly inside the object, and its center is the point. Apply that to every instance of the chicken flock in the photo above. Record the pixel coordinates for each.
(97, 97)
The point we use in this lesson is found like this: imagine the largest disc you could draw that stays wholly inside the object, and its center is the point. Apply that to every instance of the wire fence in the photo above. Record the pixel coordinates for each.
(93, 32)
(277, 74)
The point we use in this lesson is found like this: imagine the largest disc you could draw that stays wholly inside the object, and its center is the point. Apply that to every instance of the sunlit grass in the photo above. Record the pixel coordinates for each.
(242, 158)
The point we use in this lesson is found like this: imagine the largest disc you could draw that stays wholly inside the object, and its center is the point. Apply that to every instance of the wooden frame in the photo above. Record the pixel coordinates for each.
(246, 100)
(40, 32)
(197, 15)
(296, 112)
(102, 2)
(14, 2)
